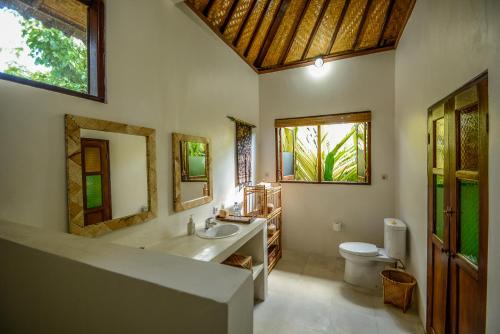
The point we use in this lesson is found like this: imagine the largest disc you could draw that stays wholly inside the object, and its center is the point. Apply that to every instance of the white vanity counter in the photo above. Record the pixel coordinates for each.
(250, 240)
(210, 250)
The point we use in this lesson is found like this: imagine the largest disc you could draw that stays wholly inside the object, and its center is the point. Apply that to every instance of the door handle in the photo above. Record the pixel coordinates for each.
(448, 211)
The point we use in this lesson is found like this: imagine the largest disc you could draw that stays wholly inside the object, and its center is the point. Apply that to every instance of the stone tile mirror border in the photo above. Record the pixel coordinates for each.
(74, 181)
(177, 140)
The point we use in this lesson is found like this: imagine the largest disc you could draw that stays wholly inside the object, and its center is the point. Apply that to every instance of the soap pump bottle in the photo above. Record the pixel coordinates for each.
(191, 227)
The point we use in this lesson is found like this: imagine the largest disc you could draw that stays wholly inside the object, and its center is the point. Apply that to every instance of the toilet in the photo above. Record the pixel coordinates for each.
(365, 261)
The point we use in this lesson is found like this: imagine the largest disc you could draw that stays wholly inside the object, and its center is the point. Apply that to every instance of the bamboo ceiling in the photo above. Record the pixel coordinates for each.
(273, 35)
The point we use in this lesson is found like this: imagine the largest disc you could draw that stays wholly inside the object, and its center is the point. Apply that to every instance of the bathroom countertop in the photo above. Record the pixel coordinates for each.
(209, 250)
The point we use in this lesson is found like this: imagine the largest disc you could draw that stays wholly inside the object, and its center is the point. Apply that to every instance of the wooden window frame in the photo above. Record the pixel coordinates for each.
(95, 60)
(353, 117)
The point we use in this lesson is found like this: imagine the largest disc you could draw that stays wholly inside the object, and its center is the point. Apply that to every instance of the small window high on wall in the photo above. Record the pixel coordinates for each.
(54, 44)
(324, 149)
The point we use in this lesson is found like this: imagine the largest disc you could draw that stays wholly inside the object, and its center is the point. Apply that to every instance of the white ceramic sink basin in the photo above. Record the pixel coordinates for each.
(219, 231)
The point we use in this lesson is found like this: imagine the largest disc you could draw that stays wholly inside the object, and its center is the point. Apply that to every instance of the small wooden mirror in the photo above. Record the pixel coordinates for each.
(192, 171)
(111, 175)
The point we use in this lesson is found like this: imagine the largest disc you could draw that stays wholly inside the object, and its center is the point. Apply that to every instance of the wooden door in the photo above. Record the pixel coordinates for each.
(96, 181)
(458, 211)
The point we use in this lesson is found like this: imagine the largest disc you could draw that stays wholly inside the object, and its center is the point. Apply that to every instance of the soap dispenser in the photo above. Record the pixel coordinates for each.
(191, 227)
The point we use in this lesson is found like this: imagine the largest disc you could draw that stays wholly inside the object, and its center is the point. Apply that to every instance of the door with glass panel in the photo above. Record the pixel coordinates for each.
(458, 211)
(96, 181)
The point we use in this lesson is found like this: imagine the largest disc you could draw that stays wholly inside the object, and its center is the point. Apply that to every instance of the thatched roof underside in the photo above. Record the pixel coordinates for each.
(69, 16)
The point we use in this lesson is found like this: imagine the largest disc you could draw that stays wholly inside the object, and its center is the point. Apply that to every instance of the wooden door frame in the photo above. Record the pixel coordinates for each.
(482, 83)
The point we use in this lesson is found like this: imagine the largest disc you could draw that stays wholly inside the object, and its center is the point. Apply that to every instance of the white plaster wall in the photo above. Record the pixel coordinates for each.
(128, 171)
(165, 70)
(445, 44)
(356, 84)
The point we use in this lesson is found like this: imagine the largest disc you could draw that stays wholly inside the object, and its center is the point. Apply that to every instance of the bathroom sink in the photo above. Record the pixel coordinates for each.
(219, 231)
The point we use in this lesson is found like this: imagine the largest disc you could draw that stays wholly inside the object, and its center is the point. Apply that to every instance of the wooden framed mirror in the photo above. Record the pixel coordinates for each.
(192, 171)
(111, 175)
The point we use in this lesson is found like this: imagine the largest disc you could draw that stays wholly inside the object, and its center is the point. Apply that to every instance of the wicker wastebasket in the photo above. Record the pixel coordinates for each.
(398, 288)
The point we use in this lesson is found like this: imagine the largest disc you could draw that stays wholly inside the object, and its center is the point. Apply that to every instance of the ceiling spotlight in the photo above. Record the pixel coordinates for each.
(318, 62)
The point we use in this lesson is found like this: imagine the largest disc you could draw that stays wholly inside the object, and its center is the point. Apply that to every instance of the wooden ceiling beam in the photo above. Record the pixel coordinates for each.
(386, 21)
(295, 29)
(257, 27)
(271, 33)
(337, 28)
(244, 22)
(362, 23)
(229, 15)
(317, 24)
(207, 7)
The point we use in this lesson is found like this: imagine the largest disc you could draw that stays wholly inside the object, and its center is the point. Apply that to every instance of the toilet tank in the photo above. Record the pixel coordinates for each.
(395, 238)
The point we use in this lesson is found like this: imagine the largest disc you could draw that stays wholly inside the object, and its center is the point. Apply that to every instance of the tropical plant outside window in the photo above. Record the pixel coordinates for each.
(331, 152)
(52, 45)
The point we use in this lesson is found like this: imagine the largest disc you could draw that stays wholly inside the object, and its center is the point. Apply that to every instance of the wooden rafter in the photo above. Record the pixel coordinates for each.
(244, 22)
(206, 10)
(295, 28)
(362, 23)
(229, 15)
(257, 27)
(337, 28)
(326, 3)
(272, 32)
(386, 20)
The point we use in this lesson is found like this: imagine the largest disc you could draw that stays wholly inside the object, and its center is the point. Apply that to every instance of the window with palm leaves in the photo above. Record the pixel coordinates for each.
(326, 153)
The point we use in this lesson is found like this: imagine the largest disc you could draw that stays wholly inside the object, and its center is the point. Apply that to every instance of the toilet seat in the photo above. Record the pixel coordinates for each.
(359, 248)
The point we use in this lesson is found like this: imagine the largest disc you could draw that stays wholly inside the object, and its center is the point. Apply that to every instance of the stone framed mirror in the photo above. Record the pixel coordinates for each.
(192, 171)
(111, 175)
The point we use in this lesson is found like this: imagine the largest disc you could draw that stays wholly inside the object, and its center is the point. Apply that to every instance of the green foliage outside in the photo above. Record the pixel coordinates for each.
(64, 57)
(196, 149)
(343, 163)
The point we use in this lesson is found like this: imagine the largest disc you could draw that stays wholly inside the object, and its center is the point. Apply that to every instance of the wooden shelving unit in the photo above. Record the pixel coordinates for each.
(263, 202)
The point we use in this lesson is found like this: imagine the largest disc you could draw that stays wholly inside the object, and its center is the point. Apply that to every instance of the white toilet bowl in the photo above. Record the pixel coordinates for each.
(363, 263)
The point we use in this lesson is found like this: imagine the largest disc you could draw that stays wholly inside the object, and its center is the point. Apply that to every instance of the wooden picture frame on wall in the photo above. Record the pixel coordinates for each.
(76, 224)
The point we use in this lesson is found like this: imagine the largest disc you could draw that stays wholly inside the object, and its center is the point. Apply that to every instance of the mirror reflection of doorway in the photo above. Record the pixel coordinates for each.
(96, 181)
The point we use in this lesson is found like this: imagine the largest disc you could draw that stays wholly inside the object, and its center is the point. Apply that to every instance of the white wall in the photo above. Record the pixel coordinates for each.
(356, 84)
(128, 171)
(445, 44)
(165, 70)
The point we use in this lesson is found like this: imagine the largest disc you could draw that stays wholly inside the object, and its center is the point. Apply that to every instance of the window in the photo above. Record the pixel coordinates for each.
(324, 149)
(54, 44)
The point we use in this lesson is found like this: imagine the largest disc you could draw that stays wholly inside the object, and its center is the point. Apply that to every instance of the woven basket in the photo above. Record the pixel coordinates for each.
(398, 288)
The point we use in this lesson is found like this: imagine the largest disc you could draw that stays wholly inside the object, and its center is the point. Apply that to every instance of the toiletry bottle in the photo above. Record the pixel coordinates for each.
(191, 227)
(222, 211)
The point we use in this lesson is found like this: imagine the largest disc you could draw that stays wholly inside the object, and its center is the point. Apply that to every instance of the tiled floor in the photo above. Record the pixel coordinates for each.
(307, 295)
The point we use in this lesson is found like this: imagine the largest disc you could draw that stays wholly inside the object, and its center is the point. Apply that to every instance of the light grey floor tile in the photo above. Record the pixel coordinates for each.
(307, 294)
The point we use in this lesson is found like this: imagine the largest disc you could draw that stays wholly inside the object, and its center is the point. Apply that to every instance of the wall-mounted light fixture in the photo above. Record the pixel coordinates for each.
(318, 62)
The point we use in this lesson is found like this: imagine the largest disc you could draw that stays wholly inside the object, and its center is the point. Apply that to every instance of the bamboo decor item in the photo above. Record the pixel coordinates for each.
(265, 202)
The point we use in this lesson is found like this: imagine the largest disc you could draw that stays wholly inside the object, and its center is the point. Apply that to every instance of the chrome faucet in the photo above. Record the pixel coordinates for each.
(208, 222)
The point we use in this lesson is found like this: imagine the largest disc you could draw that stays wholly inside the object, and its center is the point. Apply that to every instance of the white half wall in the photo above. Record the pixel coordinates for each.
(445, 44)
(53, 282)
(165, 70)
(350, 85)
